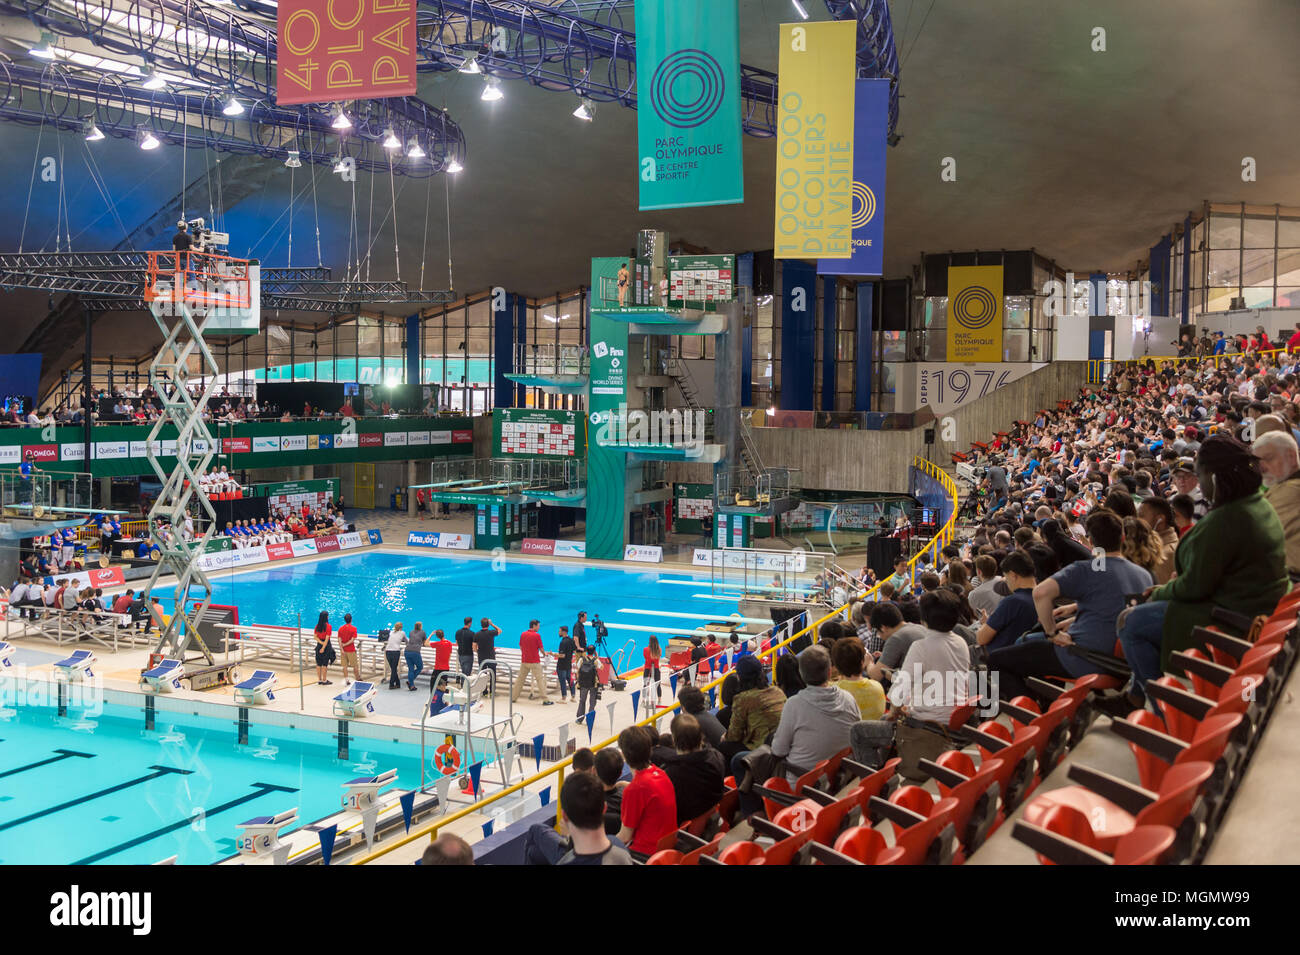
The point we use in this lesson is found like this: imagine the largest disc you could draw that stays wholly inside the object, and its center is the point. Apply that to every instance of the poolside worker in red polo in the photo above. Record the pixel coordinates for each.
(530, 656)
(348, 641)
(442, 648)
(649, 810)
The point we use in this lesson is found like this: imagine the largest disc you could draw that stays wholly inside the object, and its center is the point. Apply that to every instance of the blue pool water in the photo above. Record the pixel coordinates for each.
(379, 588)
(87, 788)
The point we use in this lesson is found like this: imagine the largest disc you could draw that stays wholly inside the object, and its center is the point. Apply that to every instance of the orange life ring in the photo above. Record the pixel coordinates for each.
(447, 758)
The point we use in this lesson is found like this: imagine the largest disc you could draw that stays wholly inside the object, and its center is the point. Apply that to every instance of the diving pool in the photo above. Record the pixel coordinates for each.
(378, 588)
(87, 789)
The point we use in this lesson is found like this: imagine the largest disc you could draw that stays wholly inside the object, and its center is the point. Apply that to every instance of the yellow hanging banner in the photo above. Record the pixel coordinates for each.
(814, 141)
(975, 313)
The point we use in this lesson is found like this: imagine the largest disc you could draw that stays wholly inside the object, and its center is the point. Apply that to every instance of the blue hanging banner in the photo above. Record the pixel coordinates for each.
(545, 795)
(537, 747)
(408, 807)
(713, 696)
(688, 103)
(474, 772)
(487, 828)
(870, 144)
(672, 683)
(636, 701)
(591, 721)
(327, 836)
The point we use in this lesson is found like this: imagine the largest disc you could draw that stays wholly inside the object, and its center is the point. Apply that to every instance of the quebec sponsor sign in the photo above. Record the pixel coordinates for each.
(704, 557)
(417, 437)
(112, 450)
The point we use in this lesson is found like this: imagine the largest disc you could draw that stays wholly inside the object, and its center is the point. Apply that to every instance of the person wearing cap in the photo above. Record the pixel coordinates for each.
(1184, 478)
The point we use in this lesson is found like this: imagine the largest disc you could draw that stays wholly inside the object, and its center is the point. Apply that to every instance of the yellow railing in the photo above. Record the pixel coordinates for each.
(1099, 369)
(940, 540)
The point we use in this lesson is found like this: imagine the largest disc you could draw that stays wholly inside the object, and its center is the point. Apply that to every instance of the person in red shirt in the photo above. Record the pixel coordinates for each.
(1293, 343)
(421, 497)
(530, 659)
(442, 648)
(649, 810)
(348, 643)
(651, 674)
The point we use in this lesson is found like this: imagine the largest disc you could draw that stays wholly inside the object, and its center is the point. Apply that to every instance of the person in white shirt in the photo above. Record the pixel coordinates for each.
(932, 682)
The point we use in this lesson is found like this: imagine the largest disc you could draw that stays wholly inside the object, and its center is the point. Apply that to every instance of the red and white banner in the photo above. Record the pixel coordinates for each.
(98, 577)
(329, 51)
(327, 543)
(236, 445)
(462, 437)
(536, 545)
(279, 551)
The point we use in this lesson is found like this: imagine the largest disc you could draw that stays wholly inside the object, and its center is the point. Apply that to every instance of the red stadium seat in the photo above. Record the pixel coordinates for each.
(975, 790)
(1145, 845)
(860, 845)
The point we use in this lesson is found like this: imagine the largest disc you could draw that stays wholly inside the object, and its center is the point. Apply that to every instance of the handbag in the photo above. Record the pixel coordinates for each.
(761, 764)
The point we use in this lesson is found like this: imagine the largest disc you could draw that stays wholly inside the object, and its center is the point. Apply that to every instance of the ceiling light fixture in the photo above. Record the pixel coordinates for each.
(799, 9)
(454, 166)
(154, 81)
(147, 140)
(390, 139)
(413, 150)
(44, 49)
(92, 132)
(586, 109)
(293, 161)
(470, 65)
(232, 105)
(341, 120)
(491, 89)
(340, 164)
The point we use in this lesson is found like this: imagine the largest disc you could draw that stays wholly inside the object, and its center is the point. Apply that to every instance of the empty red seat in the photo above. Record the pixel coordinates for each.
(1145, 845)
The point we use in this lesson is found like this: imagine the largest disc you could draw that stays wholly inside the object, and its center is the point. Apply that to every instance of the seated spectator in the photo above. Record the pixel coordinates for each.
(649, 804)
(1016, 615)
(696, 769)
(726, 696)
(917, 722)
(582, 801)
(814, 724)
(887, 620)
(1098, 587)
(848, 657)
(1217, 564)
(609, 768)
(1159, 516)
(692, 701)
(448, 849)
(755, 710)
(786, 674)
(1279, 466)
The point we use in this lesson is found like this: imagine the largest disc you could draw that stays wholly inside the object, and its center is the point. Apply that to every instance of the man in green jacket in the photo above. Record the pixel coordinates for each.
(1234, 557)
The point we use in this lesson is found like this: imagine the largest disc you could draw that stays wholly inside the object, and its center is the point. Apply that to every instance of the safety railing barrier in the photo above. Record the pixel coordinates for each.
(556, 770)
(1100, 369)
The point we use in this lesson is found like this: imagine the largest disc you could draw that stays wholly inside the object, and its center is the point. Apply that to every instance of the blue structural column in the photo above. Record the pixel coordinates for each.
(1160, 276)
(521, 336)
(798, 299)
(829, 330)
(745, 279)
(413, 356)
(1186, 307)
(502, 305)
(1097, 304)
(863, 350)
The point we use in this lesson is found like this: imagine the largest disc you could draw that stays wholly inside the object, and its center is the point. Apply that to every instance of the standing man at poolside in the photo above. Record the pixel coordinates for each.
(580, 632)
(564, 664)
(348, 643)
(530, 656)
(414, 655)
(485, 644)
(393, 653)
(465, 646)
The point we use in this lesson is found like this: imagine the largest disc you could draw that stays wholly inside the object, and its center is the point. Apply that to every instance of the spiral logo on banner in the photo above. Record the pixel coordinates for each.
(687, 68)
(864, 205)
(973, 307)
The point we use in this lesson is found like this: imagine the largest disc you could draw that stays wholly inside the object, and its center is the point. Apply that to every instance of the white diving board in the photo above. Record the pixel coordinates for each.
(637, 628)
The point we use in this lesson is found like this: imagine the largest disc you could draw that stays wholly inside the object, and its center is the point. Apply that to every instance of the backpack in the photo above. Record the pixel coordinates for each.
(586, 673)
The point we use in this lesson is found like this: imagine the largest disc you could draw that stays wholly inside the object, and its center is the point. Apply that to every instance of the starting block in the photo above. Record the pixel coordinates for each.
(362, 797)
(260, 837)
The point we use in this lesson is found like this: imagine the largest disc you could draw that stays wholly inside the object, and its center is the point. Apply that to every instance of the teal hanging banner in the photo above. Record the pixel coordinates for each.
(688, 103)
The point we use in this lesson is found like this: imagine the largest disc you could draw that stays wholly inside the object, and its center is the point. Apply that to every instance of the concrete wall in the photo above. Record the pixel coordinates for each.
(878, 460)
